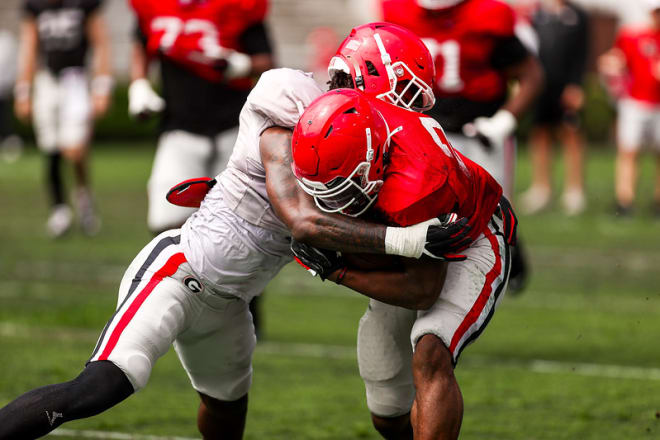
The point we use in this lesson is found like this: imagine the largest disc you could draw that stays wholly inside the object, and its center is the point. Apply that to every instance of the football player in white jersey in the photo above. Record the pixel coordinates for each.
(52, 89)
(190, 287)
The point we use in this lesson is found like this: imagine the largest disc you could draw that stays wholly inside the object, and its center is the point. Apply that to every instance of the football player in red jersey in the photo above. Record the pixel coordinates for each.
(634, 65)
(476, 52)
(209, 52)
(412, 176)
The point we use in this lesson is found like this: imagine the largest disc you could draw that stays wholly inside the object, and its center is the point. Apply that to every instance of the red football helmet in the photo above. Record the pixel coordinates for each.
(338, 147)
(389, 62)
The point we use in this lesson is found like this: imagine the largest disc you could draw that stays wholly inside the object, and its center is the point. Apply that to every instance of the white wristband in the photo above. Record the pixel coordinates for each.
(102, 85)
(407, 242)
(22, 91)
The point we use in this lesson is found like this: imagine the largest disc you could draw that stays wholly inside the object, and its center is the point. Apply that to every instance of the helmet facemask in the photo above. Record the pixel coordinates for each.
(406, 88)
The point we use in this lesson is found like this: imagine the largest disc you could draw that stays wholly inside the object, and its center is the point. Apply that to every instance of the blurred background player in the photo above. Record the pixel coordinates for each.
(10, 143)
(209, 53)
(54, 36)
(477, 54)
(562, 32)
(632, 69)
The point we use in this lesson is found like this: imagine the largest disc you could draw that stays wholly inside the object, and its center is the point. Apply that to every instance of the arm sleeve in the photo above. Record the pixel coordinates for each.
(255, 40)
(508, 51)
(580, 43)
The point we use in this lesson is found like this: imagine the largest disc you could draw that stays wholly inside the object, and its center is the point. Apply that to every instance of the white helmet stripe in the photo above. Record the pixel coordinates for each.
(386, 59)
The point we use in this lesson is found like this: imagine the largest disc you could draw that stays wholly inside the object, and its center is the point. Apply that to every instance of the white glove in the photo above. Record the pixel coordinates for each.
(492, 131)
(143, 100)
(239, 65)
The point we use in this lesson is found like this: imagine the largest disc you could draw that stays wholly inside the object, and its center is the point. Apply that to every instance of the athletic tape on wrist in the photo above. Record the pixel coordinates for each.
(407, 242)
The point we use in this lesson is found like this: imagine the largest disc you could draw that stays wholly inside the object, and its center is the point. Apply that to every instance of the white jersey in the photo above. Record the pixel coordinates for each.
(235, 241)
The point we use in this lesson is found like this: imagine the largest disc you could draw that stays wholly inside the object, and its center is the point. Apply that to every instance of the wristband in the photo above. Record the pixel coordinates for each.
(102, 85)
(408, 242)
(341, 275)
(22, 91)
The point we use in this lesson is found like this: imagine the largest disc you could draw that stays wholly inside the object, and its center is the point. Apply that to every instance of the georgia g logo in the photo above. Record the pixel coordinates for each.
(193, 284)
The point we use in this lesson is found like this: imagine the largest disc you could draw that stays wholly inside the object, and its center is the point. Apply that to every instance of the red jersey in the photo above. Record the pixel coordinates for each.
(196, 34)
(425, 177)
(641, 48)
(462, 40)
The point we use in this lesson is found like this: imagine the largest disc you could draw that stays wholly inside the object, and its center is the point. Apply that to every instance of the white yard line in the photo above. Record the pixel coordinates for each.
(109, 435)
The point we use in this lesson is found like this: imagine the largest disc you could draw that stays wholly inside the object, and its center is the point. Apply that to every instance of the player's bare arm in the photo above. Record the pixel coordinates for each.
(27, 65)
(529, 76)
(261, 62)
(297, 210)
(414, 284)
(102, 83)
(143, 101)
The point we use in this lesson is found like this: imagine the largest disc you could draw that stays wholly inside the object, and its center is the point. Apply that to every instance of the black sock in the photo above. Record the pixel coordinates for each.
(100, 386)
(54, 180)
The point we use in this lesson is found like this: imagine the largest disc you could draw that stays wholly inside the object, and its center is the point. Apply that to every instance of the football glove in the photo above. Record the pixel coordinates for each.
(446, 236)
(143, 101)
(321, 262)
(509, 221)
(492, 131)
(191, 192)
(239, 65)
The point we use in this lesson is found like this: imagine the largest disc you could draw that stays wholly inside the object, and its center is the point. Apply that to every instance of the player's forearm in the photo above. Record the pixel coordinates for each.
(337, 232)
(395, 288)
(139, 61)
(27, 55)
(529, 75)
(100, 41)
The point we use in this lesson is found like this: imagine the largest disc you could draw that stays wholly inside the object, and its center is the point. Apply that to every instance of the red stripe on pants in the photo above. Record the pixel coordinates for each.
(169, 269)
(482, 299)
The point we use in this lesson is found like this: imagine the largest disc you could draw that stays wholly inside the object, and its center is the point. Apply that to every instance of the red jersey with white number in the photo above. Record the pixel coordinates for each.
(197, 33)
(641, 48)
(425, 177)
(461, 40)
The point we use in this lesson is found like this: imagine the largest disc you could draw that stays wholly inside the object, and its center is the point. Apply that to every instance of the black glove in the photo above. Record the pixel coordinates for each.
(321, 262)
(509, 221)
(443, 240)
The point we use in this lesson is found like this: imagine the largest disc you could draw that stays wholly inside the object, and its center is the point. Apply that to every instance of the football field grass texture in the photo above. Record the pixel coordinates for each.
(576, 356)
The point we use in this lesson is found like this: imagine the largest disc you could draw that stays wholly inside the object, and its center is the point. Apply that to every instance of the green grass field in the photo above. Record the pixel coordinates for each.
(572, 358)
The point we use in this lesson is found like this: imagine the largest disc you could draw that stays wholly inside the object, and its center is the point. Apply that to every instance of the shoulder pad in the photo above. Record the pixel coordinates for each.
(281, 95)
